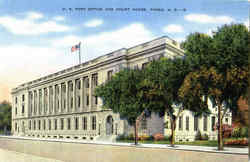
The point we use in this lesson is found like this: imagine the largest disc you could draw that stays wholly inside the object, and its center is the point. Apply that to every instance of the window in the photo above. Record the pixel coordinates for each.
(180, 122)
(76, 123)
(49, 124)
(16, 111)
(187, 123)
(16, 100)
(93, 122)
(55, 124)
(213, 123)
(62, 123)
(116, 128)
(110, 73)
(15, 126)
(87, 100)
(39, 124)
(64, 103)
(79, 101)
(78, 83)
(166, 125)
(84, 123)
(196, 123)
(86, 82)
(22, 108)
(70, 86)
(95, 79)
(23, 97)
(30, 125)
(68, 123)
(226, 119)
(44, 124)
(71, 102)
(34, 125)
(205, 123)
(96, 100)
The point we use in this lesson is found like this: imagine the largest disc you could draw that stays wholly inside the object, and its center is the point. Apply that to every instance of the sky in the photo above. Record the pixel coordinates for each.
(36, 37)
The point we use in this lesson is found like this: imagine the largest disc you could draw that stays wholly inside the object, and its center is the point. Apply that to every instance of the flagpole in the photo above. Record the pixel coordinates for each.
(80, 53)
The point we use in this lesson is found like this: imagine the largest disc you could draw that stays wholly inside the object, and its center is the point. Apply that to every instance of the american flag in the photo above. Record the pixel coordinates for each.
(75, 47)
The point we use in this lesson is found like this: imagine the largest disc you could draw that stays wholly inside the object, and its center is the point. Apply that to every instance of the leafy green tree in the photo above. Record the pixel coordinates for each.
(220, 69)
(5, 116)
(161, 84)
(122, 95)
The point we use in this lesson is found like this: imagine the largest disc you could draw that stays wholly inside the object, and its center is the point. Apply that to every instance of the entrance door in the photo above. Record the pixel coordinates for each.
(109, 125)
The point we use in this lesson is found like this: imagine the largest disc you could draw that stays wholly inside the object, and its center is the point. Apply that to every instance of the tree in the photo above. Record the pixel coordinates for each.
(5, 116)
(161, 84)
(220, 71)
(122, 95)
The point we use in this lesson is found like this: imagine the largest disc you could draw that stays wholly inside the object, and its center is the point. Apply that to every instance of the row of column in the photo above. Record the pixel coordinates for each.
(69, 96)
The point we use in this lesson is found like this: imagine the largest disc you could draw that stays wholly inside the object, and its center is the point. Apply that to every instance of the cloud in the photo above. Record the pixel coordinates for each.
(93, 23)
(206, 19)
(173, 28)
(29, 25)
(58, 18)
(105, 42)
(34, 15)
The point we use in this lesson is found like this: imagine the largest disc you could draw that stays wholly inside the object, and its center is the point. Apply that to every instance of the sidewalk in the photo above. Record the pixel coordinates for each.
(227, 150)
(12, 156)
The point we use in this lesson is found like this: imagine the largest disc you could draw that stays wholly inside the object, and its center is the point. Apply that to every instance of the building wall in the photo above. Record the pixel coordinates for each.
(69, 94)
(188, 134)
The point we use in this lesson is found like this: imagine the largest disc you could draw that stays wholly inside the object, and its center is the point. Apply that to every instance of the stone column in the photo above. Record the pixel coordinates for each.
(54, 99)
(48, 106)
(67, 97)
(74, 95)
(60, 98)
(90, 92)
(82, 94)
(42, 101)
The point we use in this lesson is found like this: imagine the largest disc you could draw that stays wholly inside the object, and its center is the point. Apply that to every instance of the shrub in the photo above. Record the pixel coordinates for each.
(121, 137)
(244, 132)
(143, 137)
(226, 130)
(236, 132)
(198, 135)
(204, 137)
(150, 138)
(167, 138)
(243, 142)
(131, 136)
(158, 137)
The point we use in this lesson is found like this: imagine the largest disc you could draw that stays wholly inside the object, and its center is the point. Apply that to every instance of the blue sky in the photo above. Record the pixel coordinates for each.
(36, 37)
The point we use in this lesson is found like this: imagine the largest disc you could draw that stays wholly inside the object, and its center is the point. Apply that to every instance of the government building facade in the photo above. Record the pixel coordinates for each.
(63, 105)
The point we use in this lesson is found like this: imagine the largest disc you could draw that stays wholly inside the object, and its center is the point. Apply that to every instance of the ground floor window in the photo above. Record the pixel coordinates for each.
(62, 123)
(76, 123)
(187, 123)
(68, 123)
(93, 122)
(84, 124)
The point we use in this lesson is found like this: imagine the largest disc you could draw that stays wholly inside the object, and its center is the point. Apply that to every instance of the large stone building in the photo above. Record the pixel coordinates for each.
(63, 104)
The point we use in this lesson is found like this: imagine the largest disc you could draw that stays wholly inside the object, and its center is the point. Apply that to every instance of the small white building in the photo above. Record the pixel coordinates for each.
(187, 125)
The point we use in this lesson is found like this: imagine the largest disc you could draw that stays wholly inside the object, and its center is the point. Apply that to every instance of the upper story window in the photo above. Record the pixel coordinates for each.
(16, 100)
(110, 73)
(78, 83)
(71, 86)
(95, 79)
(22, 108)
(86, 80)
(23, 97)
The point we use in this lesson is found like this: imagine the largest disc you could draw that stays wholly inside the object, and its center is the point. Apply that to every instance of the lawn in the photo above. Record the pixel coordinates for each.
(194, 143)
